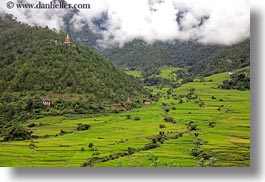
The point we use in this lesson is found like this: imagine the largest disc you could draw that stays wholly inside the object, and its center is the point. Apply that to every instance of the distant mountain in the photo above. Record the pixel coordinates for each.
(201, 59)
(225, 59)
(35, 60)
(178, 53)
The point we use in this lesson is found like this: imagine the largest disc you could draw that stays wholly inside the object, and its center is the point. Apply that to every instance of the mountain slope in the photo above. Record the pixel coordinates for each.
(140, 54)
(226, 59)
(36, 59)
(202, 59)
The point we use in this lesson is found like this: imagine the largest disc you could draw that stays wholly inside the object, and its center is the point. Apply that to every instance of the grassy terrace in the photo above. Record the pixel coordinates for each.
(229, 139)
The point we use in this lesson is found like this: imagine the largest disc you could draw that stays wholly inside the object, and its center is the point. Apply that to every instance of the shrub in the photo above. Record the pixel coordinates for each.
(180, 135)
(82, 149)
(129, 116)
(32, 145)
(81, 127)
(174, 108)
(167, 110)
(90, 145)
(85, 164)
(180, 101)
(31, 125)
(150, 146)
(162, 126)
(137, 118)
(34, 136)
(201, 104)
(62, 132)
(191, 126)
(63, 145)
(95, 153)
(46, 136)
(196, 151)
(212, 124)
(198, 141)
(131, 150)
(161, 137)
(170, 119)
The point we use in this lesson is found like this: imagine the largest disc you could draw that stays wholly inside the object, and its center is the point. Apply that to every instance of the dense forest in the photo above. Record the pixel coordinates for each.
(138, 54)
(36, 59)
(238, 80)
(226, 59)
(202, 60)
(36, 65)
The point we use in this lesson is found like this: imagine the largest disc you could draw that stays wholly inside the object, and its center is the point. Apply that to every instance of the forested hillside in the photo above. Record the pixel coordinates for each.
(35, 64)
(36, 59)
(140, 54)
(226, 59)
(202, 60)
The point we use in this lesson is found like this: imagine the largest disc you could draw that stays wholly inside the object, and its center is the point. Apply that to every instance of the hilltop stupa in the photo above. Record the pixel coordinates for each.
(67, 40)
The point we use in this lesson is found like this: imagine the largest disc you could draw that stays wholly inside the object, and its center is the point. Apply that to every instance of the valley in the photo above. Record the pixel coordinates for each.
(167, 104)
(222, 131)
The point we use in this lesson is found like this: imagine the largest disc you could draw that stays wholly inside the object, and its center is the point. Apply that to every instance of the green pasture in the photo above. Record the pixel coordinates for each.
(166, 72)
(229, 139)
(134, 73)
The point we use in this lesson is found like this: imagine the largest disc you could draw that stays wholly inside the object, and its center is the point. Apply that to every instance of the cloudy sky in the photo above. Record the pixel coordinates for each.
(206, 21)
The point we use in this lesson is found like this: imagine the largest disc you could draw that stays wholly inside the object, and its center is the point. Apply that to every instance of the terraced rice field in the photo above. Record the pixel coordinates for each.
(112, 135)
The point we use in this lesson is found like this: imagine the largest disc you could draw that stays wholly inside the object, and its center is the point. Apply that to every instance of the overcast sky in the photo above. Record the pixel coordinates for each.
(206, 21)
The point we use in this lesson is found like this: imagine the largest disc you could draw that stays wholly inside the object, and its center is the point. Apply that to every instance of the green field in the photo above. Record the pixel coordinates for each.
(166, 72)
(134, 73)
(113, 134)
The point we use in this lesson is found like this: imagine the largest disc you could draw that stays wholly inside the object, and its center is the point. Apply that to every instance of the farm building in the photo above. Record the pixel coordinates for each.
(147, 101)
(47, 102)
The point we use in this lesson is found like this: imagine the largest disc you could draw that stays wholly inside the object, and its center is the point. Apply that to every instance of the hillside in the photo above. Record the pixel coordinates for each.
(201, 59)
(137, 54)
(36, 64)
(206, 127)
(226, 59)
(35, 59)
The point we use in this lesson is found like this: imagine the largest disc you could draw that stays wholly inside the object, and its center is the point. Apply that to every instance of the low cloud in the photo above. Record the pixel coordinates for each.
(40, 17)
(206, 21)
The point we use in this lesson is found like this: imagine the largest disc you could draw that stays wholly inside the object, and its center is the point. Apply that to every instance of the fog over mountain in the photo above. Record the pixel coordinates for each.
(223, 22)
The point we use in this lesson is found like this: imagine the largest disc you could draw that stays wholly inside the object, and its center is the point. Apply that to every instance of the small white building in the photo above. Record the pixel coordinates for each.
(230, 72)
(47, 102)
(147, 101)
